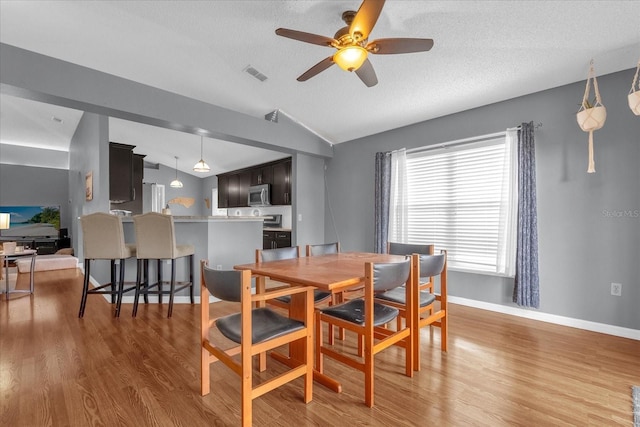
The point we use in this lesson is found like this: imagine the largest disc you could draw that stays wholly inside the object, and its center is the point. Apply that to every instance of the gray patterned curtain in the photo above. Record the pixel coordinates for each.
(383, 191)
(526, 290)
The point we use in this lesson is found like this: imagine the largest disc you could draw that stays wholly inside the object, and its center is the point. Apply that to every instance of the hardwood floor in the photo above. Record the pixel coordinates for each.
(58, 370)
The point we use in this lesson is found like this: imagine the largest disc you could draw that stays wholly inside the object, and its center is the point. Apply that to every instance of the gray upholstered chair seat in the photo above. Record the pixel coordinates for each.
(318, 296)
(398, 295)
(266, 324)
(353, 311)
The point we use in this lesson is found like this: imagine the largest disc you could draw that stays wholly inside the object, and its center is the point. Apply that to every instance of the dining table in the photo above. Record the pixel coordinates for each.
(330, 272)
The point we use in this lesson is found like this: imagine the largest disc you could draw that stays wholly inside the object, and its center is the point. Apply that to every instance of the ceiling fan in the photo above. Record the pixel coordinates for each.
(353, 46)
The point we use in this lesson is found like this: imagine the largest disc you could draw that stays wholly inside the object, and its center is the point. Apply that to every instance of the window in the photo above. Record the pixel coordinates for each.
(462, 198)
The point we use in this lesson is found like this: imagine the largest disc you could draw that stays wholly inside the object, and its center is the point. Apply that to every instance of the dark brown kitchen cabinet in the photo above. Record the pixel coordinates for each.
(135, 205)
(120, 172)
(238, 189)
(233, 187)
(276, 239)
(281, 187)
(262, 175)
(223, 191)
(244, 181)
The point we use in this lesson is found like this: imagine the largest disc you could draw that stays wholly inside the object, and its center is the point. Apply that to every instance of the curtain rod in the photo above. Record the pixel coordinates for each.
(467, 140)
(536, 126)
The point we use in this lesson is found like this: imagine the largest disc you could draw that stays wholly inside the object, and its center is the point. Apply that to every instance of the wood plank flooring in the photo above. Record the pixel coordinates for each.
(58, 370)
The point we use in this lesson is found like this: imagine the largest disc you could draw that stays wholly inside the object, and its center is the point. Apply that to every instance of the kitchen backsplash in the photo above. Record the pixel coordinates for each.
(285, 211)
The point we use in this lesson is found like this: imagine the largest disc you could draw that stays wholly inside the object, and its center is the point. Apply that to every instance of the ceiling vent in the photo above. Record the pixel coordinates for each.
(272, 116)
(255, 73)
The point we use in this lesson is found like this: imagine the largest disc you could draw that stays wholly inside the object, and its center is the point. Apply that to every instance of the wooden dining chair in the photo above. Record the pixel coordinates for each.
(256, 330)
(396, 248)
(425, 266)
(339, 296)
(265, 255)
(368, 318)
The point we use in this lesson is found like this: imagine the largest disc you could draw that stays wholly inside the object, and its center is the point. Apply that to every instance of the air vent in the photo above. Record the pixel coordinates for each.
(255, 73)
(272, 116)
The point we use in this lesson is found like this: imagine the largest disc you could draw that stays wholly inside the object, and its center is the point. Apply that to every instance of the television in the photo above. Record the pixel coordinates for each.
(32, 221)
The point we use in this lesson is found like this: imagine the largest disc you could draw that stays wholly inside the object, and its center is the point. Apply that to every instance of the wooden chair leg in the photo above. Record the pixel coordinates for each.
(444, 331)
(205, 376)
(308, 378)
(260, 289)
(318, 341)
(368, 371)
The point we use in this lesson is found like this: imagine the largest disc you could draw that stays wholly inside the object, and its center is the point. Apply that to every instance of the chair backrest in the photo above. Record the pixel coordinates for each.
(387, 276)
(155, 236)
(408, 248)
(223, 284)
(432, 265)
(327, 248)
(277, 254)
(103, 236)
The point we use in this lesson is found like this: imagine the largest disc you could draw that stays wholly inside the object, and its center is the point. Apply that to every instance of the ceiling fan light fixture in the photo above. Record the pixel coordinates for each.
(176, 183)
(201, 166)
(350, 58)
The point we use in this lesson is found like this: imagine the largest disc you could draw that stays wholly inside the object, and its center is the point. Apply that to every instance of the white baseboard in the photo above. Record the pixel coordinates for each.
(619, 331)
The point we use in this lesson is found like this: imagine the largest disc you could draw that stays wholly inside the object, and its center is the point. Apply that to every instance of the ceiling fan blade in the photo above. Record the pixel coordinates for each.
(367, 73)
(316, 69)
(389, 46)
(366, 18)
(306, 37)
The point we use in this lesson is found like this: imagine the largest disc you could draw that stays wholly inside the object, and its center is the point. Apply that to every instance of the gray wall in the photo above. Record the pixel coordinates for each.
(192, 188)
(34, 186)
(308, 191)
(586, 241)
(89, 151)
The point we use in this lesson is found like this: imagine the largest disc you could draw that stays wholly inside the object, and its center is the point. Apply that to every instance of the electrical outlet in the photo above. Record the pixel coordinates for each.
(616, 289)
(218, 267)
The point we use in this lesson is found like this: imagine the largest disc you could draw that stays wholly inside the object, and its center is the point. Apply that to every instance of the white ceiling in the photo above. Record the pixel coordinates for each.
(484, 52)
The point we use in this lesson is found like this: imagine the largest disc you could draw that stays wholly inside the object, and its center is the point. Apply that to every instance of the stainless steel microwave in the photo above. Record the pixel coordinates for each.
(259, 195)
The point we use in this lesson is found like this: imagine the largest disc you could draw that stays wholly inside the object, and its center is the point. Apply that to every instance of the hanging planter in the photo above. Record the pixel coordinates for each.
(591, 115)
(634, 93)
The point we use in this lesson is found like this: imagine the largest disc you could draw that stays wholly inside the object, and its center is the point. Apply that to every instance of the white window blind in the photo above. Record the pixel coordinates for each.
(458, 198)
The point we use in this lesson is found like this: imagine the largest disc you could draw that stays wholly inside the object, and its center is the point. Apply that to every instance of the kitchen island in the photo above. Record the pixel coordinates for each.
(223, 240)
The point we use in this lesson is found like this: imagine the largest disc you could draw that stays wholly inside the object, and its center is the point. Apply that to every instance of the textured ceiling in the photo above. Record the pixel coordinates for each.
(484, 52)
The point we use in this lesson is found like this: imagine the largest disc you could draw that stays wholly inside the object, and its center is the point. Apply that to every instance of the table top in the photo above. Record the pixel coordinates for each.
(21, 253)
(327, 272)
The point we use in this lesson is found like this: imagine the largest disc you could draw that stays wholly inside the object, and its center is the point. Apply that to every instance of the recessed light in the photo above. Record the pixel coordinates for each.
(57, 119)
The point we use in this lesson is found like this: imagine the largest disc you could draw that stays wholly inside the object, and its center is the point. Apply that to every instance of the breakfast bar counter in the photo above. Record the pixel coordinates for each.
(224, 240)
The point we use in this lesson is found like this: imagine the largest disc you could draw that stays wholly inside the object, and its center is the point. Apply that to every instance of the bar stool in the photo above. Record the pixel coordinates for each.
(156, 239)
(103, 239)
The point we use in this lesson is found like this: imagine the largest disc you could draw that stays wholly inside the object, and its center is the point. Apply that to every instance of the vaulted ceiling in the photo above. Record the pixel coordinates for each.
(484, 52)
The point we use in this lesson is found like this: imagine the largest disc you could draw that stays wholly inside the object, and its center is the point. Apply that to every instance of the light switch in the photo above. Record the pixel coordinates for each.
(299, 217)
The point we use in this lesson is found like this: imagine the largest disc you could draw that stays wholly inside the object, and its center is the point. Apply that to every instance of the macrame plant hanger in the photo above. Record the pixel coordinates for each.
(634, 93)
(591, 117)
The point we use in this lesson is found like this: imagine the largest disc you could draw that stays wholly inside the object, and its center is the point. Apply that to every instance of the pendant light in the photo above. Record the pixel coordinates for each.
(176, 183)
(201, 166)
